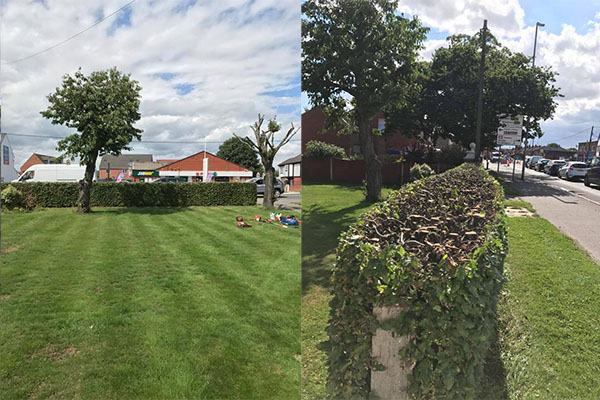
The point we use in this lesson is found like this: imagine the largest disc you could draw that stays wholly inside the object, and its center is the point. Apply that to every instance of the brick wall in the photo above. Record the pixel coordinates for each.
(353, 171)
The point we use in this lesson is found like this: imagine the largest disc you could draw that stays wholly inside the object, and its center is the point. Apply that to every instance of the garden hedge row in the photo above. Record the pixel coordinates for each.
(436, 250)
(111, 194)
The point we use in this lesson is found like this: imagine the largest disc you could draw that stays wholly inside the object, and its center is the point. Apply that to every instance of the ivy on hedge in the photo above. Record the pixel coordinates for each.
(111, 194)
(436, 250)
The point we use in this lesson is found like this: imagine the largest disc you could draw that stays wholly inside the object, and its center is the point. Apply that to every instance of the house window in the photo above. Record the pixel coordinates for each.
(381, 124)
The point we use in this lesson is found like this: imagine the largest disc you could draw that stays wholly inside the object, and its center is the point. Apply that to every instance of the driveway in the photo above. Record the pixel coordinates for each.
(287, 201)
(570, 206)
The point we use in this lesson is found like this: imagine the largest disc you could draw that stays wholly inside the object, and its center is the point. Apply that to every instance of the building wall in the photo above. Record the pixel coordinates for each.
(196, 163)
(313, 121)
(8, 172)
(33, 160)
(103, 174)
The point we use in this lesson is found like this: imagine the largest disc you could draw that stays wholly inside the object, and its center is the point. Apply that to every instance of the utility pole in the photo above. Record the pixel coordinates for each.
(480, 99)
(590, 142)
(537, 25)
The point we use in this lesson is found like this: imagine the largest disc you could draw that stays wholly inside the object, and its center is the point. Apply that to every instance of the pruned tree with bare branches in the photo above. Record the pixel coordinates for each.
(264, 145)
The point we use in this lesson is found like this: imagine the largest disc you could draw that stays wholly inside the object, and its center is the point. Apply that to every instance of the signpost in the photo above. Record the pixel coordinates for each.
(510, 133)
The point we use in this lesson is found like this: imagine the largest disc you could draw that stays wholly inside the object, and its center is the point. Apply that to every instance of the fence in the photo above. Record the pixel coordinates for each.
(353, 171)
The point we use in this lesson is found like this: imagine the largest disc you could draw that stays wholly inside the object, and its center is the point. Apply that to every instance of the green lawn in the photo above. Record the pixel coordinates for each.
(149, 303)
(549, 337)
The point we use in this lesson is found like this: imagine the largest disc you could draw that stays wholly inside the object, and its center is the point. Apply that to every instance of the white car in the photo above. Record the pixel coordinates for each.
(52, 173)
(573, 170)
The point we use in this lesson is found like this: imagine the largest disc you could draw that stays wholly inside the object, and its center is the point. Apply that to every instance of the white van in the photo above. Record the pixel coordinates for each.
(52, 173)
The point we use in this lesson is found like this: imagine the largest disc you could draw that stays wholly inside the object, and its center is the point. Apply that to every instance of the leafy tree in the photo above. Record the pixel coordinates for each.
(238, 152)
(443, 100)
(318, 149)
(103, 108)
(264, 145)
(360, 54)
(554, 145)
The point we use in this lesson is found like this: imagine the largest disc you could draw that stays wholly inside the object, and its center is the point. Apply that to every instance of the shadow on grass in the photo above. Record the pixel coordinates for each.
(141, 210)
(320, 234)
(493, 382)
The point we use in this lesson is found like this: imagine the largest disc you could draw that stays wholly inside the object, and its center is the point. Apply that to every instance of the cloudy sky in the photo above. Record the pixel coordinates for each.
(206, 67)
(569, 43)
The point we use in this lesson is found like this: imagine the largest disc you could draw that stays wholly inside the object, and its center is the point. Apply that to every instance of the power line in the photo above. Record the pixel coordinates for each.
(141, 141)
(71, 37)
(575, 134)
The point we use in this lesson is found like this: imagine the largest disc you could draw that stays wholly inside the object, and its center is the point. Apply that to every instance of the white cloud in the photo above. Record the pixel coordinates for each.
(574, 55)
(466, 16)
(230, 51)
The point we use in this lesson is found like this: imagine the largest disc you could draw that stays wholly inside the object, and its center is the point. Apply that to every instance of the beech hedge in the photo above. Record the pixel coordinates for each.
(112, 194)
(436, 250)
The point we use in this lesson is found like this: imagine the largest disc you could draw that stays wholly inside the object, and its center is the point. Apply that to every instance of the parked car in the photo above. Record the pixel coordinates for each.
(52, 173)
(592, 175)
(573, 170)
(553, 166)
(496, 157)
(540, 165)
(533, 161)
(260, 186)
(170, 179)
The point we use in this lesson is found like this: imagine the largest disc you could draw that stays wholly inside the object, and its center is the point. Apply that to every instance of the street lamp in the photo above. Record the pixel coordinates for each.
(537, 25)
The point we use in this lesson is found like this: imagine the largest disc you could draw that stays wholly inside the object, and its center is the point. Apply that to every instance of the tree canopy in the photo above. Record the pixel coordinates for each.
(238, 152)
(443, 100)
(358, 58)
(103, 108)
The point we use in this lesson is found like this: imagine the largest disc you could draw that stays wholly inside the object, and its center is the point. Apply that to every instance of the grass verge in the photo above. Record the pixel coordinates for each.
(149, 303)
(549, 338)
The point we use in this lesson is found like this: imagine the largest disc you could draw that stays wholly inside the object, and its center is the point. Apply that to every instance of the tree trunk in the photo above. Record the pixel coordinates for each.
(269, 191)
(372, 164)
(83, 200)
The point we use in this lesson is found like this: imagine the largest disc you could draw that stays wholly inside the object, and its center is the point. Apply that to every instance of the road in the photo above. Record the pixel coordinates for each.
(287, 201)
(570, 206)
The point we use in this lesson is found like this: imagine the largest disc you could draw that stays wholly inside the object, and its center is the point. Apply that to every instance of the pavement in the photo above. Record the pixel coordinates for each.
(570, 206)
(287, 201)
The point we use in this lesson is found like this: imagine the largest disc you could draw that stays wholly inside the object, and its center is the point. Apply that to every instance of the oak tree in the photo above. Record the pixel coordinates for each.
(103, 108)
(358, 58)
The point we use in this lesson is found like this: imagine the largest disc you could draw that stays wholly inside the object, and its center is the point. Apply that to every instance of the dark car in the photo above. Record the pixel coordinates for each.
(533, 161)
(260, 186)
(553, 166)
(593, 174)
(170, 179)
(540, 165)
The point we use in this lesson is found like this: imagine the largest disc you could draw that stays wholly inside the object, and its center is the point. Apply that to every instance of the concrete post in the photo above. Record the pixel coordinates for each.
(391, 383)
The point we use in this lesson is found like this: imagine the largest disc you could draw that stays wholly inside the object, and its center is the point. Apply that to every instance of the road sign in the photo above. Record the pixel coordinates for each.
(515, 122)
(510, 130)
(508, 137)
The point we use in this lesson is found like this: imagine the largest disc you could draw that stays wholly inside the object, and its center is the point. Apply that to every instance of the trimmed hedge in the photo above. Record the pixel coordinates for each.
(436, 250)
(111, 194)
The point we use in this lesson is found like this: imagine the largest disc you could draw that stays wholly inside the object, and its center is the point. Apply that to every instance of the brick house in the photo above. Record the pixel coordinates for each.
(289, 173)
(111, 166)
(192, 167)
(35, 159)
(314, 120)
(587, 150)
